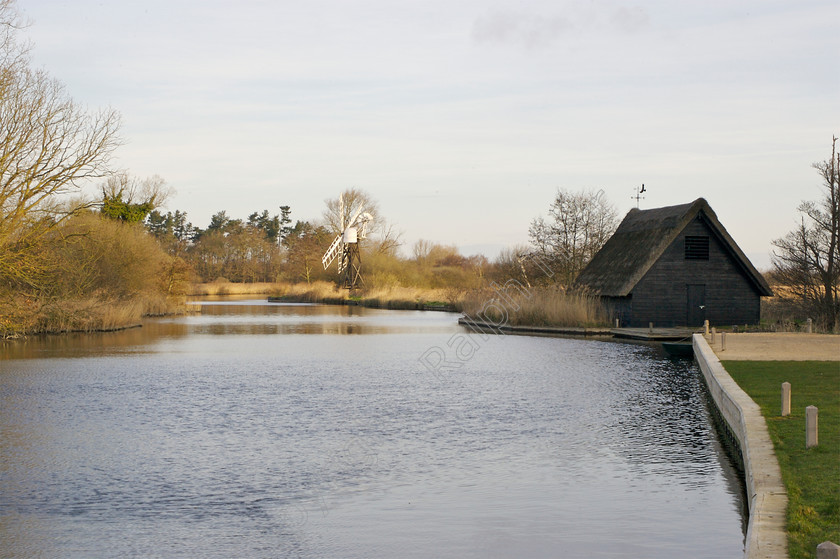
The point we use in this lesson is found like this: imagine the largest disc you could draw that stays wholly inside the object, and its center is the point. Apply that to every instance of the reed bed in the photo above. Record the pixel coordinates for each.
(86, 315)
(543, 306)
(394, 297)
(24, 317)
(224, 287)
(413, 298)
(315, 292)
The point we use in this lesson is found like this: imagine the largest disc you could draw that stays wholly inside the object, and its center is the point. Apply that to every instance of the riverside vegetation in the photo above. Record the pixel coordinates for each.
(105, 264)
(540, 306)
(96, 270)
(92, 273)
(64, 265)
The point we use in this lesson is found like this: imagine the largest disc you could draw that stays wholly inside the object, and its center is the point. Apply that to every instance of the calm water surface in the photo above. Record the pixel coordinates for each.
(264, 430)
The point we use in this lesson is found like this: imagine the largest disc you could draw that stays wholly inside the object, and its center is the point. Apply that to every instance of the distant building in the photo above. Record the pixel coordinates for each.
(675, 266)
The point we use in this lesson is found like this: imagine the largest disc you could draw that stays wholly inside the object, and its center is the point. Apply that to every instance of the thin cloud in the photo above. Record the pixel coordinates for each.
(527, 30)
(532, 30)
(630, 19)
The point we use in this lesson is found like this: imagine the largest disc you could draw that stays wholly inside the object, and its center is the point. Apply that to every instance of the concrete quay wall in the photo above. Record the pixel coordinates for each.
(766, 531)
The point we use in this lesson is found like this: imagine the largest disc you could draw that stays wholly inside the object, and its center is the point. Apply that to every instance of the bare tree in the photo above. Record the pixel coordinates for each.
(421, 251)
(807, 262)
(388, 240)
(13, 53)
(383, 238)
(578, 225)
(151, 190)
(49, 147)
(354, 200)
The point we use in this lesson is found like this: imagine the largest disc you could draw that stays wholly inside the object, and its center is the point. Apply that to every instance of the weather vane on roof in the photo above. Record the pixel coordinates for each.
(638, 196)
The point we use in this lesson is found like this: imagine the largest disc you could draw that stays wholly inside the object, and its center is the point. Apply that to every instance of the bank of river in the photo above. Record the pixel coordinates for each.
(312, 431)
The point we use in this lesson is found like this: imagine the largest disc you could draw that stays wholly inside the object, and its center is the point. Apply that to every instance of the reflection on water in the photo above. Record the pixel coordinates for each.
(238, 317)
(263, 430)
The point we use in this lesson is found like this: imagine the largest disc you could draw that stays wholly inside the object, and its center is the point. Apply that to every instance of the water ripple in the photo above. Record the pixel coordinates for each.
(220, 442)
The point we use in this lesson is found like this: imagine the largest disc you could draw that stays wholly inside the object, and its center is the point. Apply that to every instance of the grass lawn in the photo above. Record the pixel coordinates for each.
(811, 476)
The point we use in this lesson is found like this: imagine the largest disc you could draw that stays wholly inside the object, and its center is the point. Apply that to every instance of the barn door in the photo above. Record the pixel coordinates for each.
(696, 304)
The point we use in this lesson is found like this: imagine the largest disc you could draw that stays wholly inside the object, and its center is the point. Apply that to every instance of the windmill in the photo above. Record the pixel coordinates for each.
(346, 246)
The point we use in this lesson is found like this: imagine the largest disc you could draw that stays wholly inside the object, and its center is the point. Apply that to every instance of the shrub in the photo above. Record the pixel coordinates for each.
(95, 273)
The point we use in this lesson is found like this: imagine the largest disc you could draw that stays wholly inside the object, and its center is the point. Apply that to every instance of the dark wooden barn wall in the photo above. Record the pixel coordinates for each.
(661, 295)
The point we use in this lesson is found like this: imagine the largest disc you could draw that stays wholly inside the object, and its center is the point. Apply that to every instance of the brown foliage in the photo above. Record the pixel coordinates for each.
(95, 273)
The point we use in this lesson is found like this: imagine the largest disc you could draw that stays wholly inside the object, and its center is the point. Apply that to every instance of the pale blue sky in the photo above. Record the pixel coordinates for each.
(461, 117)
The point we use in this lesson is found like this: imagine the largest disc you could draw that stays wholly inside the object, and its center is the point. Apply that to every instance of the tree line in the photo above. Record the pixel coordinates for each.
(269, 248)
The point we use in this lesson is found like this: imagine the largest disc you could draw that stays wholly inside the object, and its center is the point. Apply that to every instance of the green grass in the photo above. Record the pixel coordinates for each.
(811, 476)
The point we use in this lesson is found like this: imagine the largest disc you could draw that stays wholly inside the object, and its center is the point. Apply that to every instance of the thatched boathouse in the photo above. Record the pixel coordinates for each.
(675, 266)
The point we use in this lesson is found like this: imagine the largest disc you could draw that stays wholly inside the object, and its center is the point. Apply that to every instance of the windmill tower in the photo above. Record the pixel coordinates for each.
(346, 247)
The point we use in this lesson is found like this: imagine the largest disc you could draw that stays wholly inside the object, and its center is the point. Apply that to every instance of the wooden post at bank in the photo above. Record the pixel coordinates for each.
(705, 327)
(723, 341)
(828, 550)
(714, 334)
(785, 399)
(810, 326)
(811, 428)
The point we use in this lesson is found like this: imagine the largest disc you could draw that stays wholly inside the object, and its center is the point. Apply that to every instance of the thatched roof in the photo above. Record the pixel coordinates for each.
(641, 239)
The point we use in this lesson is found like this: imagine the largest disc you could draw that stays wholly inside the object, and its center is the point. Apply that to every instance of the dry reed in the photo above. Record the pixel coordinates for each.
(545, 306)
(224, 287)
(391, 297)
(25, 317)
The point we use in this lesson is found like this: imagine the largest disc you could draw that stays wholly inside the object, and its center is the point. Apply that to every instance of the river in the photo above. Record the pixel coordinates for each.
(256, 429)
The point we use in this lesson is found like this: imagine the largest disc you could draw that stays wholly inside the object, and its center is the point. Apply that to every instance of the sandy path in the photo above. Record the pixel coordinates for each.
(778, 347)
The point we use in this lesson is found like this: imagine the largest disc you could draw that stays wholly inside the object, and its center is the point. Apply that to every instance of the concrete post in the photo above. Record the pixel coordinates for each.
(706, 327)
(811, 428)
(723, 341)
(616, 323)
(810, 327)
(650, 327)
(714, 334)
(785, 399)
(828, 550)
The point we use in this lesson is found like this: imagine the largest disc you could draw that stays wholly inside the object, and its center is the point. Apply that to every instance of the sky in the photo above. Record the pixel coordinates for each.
(462, 118)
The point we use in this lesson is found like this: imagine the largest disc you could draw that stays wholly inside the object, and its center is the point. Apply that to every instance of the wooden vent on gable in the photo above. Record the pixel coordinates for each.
(696, 248)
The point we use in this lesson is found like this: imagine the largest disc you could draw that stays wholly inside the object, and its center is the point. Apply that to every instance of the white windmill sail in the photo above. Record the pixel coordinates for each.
(362, 224)
(337, 245)
(332, 252)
